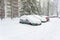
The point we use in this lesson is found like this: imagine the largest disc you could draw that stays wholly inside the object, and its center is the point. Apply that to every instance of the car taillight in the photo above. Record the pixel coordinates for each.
(47, 18)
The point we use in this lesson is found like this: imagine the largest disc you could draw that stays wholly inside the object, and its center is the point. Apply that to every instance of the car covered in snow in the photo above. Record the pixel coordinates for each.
(44, 18)
(30, 19)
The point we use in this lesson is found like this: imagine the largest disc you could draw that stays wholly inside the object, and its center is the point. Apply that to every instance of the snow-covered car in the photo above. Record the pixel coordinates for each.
(44, 18)
(30, 19)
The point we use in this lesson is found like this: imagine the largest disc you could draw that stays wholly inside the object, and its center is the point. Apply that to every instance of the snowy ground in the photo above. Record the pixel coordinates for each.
(13, 30)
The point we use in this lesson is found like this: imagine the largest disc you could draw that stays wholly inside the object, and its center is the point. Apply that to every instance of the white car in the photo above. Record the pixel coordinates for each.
(30, 19)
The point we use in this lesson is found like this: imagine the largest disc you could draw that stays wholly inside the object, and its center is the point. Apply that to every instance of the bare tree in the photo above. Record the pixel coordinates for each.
(39, 7)
(53, 8)
(2, 13)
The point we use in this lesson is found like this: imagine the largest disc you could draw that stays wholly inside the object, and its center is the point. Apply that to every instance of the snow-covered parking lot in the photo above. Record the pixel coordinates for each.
(13, 30)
